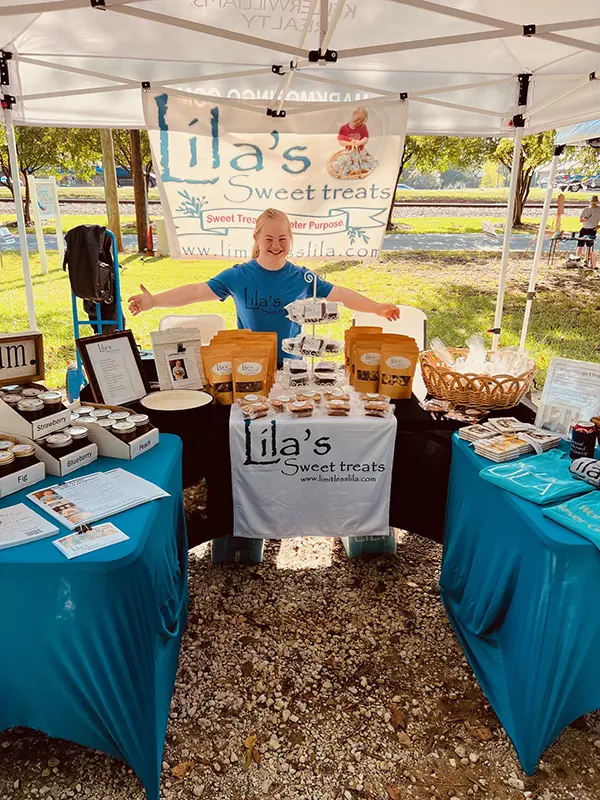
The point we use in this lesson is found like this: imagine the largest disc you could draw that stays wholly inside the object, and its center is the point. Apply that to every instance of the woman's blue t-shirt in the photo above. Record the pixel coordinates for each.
(260, 296)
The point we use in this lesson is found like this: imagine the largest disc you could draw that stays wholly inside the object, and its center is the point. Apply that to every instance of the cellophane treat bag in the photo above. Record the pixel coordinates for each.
(399, 358)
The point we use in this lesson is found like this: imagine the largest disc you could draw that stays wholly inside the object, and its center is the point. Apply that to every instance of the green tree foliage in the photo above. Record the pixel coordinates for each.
(49, 151)
(587, 159)
(537, 150)
(122, 143)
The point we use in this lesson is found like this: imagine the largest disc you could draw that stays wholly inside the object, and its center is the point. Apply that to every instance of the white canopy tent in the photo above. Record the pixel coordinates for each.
(466, 67)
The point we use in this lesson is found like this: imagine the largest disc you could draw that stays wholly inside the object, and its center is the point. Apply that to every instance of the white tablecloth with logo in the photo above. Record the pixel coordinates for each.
(315, 476)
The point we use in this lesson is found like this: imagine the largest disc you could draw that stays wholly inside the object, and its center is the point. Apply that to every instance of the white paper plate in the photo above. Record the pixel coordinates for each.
(175, 400)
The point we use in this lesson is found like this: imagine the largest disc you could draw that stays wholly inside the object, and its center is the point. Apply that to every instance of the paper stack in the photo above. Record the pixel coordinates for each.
(506, 438)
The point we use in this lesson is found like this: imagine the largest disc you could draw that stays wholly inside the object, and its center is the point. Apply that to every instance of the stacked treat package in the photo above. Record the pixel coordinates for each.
(240, 368)
(505, 438)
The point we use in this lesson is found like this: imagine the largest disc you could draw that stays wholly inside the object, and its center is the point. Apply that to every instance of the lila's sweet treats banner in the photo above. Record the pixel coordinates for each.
(332, 170)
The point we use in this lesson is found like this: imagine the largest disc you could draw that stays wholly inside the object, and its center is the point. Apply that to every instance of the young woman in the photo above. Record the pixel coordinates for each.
(262, 287)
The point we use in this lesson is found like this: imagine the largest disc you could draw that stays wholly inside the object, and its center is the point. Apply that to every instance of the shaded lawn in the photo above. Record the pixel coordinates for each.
(474, 224)
(71, 221)
(456, 290)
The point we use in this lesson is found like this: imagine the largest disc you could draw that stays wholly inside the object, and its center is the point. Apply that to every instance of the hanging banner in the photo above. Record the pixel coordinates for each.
(332, 171)
(327, 476)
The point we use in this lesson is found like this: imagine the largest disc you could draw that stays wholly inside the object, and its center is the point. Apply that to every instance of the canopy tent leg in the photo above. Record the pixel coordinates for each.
(14, 171)
(512, 195)
(539, 246)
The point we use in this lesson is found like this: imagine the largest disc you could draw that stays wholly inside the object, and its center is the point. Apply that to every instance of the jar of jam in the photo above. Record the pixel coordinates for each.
(31, 391)
(12, 400)
(52, 402)
(31, 408)
(100, 413)
(141, 422)
(119, 416)
(59, 444)
(86, 420)
(79, 435)
(104, 423)
(24, 455)
(74, 415)
(7, 463)
(125, 430)
(86, 411)
(6, 444)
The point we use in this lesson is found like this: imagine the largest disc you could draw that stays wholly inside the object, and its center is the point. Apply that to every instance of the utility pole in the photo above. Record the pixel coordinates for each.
(110, 185)
(140, 194)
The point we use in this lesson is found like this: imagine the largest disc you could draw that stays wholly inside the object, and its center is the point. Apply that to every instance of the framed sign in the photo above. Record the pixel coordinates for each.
(113, 367)
(178, 359)
(21, 358)
(44, 205)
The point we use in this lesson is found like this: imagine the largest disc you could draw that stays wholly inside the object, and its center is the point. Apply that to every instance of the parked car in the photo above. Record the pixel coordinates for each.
(593, 182)
(574, 183)
(543, 184)
(124, 177)
(403, 187)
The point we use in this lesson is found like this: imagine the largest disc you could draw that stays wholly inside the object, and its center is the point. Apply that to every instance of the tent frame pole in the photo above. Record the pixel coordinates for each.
(14, 173)
(514, 181)
(539, 245)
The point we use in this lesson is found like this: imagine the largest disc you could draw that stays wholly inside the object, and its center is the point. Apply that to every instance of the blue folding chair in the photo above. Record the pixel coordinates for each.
(76, 379)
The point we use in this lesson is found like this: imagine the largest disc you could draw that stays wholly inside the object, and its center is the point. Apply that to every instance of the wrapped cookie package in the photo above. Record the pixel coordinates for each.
(309, 311)
(311, 346)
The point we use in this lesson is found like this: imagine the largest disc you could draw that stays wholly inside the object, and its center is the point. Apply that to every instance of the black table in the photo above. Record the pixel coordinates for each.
(420, 475)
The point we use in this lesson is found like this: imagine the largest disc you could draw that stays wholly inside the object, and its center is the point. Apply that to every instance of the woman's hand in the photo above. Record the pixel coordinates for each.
(388, 310)
(141, 302)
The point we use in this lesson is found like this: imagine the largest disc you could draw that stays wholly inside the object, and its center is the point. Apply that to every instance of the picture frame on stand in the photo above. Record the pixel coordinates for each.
(113, 366)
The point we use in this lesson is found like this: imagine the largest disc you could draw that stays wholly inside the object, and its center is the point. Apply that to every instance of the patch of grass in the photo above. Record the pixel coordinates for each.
(457, 291)
(71, 221)
(471, 224)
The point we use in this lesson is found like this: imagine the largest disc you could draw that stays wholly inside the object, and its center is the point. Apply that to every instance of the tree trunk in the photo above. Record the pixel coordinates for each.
(110, 185)
(27, 201)
(142, 220)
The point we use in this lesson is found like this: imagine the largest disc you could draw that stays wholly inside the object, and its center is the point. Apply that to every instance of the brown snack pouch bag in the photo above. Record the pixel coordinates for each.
(366, 355)
(350, 335)
(397, 367)
(372, 340)
(218, 370)
(250, 372)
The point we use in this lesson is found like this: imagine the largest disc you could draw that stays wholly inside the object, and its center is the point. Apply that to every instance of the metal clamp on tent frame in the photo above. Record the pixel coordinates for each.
(5, 57)
(518, 121)
(273, 112)
(404, 96)
(146, 85)
(98, 4)
(524, 80)
(329, 56)
(529, 30)
(495, 331)
(8, 101)
(279, 69)
(593, 76)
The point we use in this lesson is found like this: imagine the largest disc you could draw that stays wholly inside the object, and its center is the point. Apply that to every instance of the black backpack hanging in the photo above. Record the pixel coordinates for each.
(91, 272)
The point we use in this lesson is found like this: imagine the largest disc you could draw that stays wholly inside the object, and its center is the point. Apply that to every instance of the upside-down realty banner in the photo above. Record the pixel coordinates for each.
(326, 476)
(333, 171)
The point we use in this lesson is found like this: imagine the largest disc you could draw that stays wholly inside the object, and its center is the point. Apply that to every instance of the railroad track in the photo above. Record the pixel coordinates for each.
(405, 204)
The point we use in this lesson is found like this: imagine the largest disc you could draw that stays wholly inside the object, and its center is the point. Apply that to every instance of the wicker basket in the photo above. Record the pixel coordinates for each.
(470, 390)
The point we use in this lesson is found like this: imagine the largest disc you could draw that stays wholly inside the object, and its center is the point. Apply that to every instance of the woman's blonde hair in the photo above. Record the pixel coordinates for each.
(268, 214)
(362, 111)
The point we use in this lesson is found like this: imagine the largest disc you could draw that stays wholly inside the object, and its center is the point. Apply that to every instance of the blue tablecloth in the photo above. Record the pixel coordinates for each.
(523, 595)
(89, 647)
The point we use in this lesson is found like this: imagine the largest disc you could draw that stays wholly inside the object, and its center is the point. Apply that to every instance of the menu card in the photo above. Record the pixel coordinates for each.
(19, 525)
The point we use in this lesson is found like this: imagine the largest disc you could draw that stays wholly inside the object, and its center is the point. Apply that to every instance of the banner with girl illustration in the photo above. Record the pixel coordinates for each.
(331, 168)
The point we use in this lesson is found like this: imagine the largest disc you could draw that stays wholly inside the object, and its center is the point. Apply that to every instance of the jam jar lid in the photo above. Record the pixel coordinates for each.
(6, 457)
(75, 415)
(31, 392)
(6, 444)
(124, 427)
(119, 416)
(100, 413)
(16, 388)
(139, 419)
(23, 450)
(58, 440)
(104, 423)
(86, 411)
(77, 432)
(12, 399)
(50, 397)
(30, 404)
(86, 420)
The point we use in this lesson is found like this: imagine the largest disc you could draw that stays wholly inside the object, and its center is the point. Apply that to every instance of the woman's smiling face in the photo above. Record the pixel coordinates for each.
(274, 241)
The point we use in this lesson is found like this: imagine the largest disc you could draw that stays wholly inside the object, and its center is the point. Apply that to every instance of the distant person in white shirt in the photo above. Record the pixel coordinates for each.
(590, 220)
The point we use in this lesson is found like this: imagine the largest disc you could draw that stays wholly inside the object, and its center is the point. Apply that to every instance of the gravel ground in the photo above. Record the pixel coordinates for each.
(313, 677)
(86, 209)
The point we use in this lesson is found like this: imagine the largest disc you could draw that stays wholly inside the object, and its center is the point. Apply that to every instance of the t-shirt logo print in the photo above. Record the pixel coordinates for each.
(254, 301)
